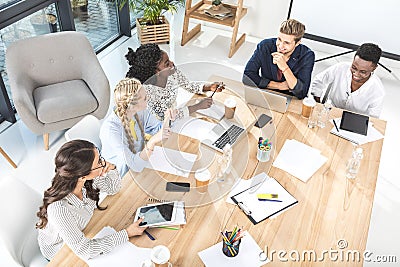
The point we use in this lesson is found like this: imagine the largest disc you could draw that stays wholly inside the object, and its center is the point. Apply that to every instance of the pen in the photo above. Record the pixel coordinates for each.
(334, 123)
(271, 200)
(214, 92)
(167, 227)
(149, 235)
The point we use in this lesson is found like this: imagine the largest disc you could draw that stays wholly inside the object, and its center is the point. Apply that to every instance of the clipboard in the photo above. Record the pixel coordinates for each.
(257, 211)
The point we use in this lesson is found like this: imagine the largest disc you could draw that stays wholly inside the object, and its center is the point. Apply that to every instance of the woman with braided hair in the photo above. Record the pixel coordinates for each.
(161, 79)
(68, 205)
(130, 133)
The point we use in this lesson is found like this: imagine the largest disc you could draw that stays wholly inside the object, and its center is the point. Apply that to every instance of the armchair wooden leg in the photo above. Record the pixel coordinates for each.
(46, 141)
(7, 158)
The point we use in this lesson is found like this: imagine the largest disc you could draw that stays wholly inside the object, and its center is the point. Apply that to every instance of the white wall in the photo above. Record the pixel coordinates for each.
(263, 17)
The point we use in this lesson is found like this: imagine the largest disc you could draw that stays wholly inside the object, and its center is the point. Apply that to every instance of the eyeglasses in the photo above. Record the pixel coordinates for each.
(102, 163)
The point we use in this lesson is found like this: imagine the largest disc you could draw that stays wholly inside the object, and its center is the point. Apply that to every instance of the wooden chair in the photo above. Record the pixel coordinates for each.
(7, 158)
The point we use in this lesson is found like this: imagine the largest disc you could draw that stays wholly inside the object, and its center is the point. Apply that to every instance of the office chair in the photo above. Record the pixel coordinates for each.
(56, 80)
(17, 226)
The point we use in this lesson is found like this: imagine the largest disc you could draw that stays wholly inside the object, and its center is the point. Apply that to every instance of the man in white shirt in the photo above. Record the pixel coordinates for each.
(354, 86)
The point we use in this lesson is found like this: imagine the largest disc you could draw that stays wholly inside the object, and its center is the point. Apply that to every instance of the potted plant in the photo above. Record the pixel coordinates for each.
(216, 4)
(44, 22)
(153, 27)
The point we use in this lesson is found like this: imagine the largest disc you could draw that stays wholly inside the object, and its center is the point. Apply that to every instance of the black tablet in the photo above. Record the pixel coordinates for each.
(354, 122)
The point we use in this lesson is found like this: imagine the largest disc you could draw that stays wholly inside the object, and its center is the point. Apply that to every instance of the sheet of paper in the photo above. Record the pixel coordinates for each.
(243, 184)
(372, 134)
(171, 161)
(125, 255)
(298, 159)
(249, 252)
(193, 127)
(216, 111)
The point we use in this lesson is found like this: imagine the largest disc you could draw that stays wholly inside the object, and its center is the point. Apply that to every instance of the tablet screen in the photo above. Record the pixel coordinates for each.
(156, 214)
(355, 123)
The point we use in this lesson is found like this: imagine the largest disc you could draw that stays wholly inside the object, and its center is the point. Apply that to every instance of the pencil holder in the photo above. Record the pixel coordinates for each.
(231, 250)
(263, 153)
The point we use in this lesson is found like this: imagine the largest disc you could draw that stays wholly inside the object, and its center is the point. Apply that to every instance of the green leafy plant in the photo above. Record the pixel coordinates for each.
(152, 9)
(216, 2)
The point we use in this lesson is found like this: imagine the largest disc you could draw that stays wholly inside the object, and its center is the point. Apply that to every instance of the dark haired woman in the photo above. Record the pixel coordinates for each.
(152, 67)
(68, 205)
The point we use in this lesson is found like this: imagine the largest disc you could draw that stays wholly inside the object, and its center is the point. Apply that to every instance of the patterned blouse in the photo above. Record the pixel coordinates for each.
(160, 99)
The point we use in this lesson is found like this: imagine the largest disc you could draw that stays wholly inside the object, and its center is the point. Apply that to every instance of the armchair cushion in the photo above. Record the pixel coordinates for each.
(64, 100)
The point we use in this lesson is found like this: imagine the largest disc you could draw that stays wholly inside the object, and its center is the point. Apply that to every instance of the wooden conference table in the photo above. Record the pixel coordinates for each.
(331, 207)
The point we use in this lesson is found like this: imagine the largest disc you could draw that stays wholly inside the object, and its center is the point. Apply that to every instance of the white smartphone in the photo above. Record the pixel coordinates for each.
(157, 214)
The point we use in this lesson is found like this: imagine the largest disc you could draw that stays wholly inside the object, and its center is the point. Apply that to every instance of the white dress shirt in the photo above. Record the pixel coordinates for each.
(69, 216)
(114, 144)
(368, 99)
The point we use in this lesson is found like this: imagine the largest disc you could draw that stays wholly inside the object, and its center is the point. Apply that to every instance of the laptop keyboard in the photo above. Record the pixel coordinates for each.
(228, 137)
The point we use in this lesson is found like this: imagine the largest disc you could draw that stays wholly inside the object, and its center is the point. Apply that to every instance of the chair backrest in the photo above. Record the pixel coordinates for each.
(17, 225)
(50, 58)
(86, 129)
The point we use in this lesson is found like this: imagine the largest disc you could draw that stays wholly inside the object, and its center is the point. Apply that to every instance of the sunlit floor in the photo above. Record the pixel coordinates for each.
(204, 55)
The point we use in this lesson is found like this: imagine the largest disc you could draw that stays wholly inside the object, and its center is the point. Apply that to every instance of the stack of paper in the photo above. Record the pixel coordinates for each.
(125, 255)
(249, 255)
(359, 139)
(171, 161)
(298, 159)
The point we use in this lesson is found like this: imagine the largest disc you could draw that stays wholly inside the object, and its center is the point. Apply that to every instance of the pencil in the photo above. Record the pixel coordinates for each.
(167, 227)
(334, 123)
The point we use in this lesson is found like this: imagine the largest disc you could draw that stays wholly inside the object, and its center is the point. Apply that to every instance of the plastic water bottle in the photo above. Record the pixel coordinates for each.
(354, 163)
(225, 163)
(323, 115)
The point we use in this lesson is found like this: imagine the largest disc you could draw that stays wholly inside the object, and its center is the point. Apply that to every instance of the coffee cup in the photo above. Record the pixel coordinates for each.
(230, 107)
(308, 104)
(160, 256)
(202, 180)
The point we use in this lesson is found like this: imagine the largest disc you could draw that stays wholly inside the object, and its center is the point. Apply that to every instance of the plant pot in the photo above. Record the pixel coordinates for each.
(216, 7)
(43, 24)
(158, 33)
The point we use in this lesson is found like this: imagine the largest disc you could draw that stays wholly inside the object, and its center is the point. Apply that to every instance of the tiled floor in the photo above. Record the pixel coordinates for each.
(208, 54)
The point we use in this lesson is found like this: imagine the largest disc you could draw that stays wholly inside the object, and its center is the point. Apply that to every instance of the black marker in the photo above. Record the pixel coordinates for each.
(334, 123)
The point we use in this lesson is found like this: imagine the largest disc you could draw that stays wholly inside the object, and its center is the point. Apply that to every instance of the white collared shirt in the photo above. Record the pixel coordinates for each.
(368, 99)
(69, 216)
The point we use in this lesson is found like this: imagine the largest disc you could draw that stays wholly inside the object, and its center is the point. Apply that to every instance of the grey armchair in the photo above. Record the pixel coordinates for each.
(56, 80)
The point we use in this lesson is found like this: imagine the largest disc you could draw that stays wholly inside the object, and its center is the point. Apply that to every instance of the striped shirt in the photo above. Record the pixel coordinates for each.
(69, 216)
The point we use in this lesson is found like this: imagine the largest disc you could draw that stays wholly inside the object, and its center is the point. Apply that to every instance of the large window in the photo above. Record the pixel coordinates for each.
(100, 20)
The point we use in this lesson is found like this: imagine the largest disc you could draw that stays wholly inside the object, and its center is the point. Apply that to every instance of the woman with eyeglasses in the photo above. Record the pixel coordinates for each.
(162, 78)
(130, 133)
(68, 204)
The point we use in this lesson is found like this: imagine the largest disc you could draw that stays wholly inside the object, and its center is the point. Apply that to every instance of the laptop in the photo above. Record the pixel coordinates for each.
(225, 132)
(265, 99)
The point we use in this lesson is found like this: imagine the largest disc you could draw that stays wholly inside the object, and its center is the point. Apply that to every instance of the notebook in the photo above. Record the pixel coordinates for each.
(354, 122)
(257, 210)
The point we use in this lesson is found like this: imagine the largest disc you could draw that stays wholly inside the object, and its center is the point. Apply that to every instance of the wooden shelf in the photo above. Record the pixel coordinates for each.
(197, 12)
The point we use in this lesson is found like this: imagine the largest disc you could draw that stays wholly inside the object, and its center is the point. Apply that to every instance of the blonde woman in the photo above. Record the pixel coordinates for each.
(129, 134)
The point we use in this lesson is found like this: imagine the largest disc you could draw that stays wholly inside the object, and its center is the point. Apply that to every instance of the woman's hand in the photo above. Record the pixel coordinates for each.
(135, 229)
(215, 86)
(203, 104)
(109, 166)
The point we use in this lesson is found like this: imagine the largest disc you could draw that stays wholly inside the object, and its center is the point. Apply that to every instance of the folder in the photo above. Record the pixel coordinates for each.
(257, 210)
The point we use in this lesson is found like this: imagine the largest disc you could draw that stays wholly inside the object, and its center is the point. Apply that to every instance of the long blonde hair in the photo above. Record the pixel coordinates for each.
(126, 94)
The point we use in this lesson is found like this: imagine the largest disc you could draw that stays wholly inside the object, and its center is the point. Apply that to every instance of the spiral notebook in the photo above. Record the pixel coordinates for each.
(257, 210)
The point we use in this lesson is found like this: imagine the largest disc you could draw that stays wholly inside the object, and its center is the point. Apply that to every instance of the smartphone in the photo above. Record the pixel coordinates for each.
(263, 120)
(178, 187)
